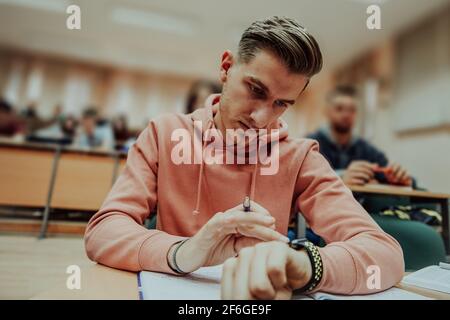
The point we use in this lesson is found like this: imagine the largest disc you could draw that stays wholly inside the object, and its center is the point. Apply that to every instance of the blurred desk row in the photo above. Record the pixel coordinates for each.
(54, 177)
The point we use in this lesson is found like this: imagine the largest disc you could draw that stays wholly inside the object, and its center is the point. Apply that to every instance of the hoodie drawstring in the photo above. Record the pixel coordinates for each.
(200, 174)
(196, 211)
(253, 184)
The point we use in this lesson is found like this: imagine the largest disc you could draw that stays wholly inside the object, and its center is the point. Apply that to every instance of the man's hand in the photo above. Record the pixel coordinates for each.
(269, 270)
(359, 173)
(224, 235)
(398, 175)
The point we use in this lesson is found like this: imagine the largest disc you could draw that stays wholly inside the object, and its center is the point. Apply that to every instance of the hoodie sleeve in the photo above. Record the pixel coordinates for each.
(356, 245)
(115, 235)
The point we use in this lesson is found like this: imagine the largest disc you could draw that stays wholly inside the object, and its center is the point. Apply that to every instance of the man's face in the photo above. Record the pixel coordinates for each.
(257, 93)
(341, 113)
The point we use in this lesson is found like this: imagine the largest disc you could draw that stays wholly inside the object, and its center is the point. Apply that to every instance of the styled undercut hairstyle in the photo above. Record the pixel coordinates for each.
(287, 39)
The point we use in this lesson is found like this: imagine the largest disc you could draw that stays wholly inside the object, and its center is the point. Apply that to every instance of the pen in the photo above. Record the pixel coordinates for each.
(246, 204)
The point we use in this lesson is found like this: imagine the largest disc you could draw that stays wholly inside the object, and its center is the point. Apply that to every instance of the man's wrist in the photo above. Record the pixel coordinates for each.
(172, 256)
(310, 262)
(304, 263)
(187, 257)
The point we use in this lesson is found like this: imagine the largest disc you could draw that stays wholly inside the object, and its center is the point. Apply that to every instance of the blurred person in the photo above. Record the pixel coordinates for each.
(198, 93)
(356, 160)
(34, 122)
(202, 218)
(68, 125)
(10, 123)
(62, 132)
(91, 135)
(121, 132)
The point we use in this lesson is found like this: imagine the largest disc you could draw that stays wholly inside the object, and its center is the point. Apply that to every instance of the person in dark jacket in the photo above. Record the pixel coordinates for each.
(356, 160)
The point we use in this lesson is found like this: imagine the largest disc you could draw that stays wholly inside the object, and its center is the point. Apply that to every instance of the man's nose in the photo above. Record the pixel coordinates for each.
(261, 116)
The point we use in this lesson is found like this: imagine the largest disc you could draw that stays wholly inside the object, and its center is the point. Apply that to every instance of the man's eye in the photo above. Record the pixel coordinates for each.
(257, 91)
(280, 103)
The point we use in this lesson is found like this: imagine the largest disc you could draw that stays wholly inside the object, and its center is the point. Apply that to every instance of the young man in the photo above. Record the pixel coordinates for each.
(201, 218)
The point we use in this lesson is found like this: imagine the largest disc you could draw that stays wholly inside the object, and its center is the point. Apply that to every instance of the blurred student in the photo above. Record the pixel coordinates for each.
(34, 122)
(10, 123)
(352, 157)
(358, 163)
(201, 217)
(91, 135)
(121, 132)
(62, 132)
(198, 93)
(68, 125)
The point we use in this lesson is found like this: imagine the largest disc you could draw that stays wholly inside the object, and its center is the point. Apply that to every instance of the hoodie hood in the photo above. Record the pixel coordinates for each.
(206, 117)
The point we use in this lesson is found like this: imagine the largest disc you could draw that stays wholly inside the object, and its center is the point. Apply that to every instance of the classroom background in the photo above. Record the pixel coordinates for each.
(134, 60)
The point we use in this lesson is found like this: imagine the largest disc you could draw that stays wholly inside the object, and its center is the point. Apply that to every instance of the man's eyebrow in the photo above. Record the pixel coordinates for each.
(288, 101)
(264, 87)
(259, 83)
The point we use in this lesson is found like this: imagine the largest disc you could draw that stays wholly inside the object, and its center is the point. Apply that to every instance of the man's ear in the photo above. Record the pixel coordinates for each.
(225, 65)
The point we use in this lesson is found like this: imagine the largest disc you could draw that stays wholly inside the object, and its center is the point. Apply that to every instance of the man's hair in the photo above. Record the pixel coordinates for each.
(285, 37)
(343, 90)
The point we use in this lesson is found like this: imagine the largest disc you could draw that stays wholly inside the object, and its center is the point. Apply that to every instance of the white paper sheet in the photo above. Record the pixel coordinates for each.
(432, 277)
(204, 284)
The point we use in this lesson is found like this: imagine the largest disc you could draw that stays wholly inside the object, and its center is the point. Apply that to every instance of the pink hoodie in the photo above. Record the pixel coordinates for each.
(188, 195)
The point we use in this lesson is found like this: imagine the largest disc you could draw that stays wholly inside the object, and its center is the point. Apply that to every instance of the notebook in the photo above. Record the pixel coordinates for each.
(433, 277)
(204, 284)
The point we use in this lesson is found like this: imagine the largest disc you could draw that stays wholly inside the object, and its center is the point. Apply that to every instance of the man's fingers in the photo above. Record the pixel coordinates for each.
(262, 233)
(226, 288)
(276, 267)
(362, 167)
(362, 164)
(368, 172)
(243, 242)
(398, 173)
(402, 175)
(259, 282)
(357, 182)
(236, 218)
(395, 168)
(256, 207)
(360, 175)
(240, 290)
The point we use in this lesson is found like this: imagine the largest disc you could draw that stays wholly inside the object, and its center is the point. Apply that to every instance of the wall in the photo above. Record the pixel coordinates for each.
(51, 81)
(414, 129)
